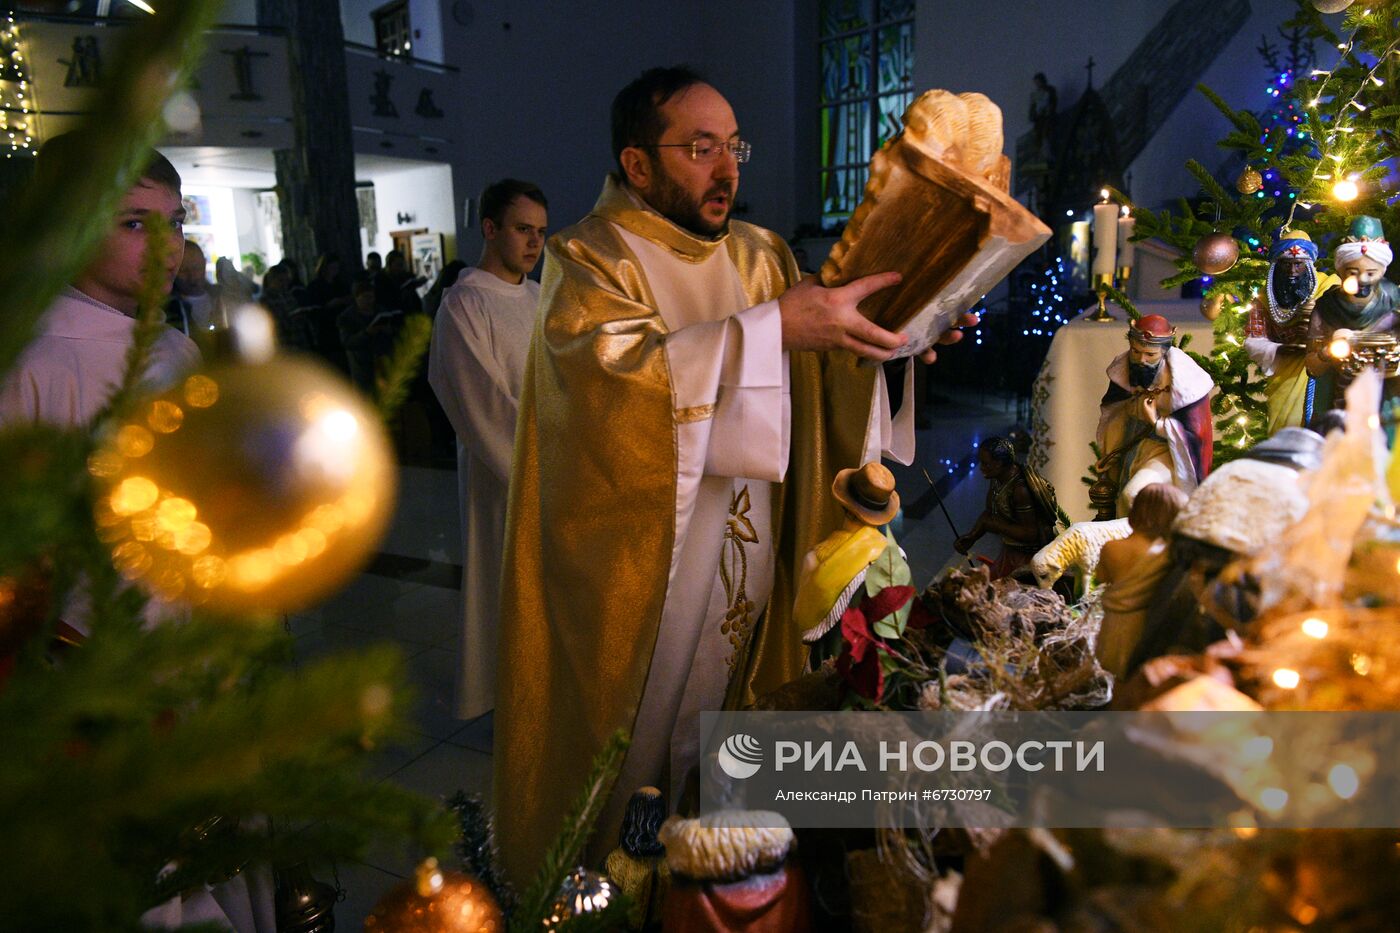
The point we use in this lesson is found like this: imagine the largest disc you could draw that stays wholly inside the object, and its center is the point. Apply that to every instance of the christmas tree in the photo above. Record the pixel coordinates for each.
(17, 107)
(148, 761)
(1313, 161)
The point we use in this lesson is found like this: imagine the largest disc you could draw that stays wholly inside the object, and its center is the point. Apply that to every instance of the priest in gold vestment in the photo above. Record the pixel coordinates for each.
(677, 443)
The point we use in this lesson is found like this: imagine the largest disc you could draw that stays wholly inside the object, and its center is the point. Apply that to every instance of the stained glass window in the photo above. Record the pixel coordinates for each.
(867, 75)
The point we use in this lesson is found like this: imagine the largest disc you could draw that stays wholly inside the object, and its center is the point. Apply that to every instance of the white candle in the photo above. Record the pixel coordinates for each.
(1105, 238)
(1126, 225)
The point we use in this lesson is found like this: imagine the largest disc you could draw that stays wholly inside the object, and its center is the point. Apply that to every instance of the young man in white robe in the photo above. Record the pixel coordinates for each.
(67, 375)
(77, 358)
(476, 365)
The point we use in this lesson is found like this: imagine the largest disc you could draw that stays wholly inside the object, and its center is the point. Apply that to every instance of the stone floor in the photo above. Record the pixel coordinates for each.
(409, 596)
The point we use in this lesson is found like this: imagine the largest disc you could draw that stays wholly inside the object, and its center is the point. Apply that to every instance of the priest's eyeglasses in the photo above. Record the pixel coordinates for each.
(707, 150)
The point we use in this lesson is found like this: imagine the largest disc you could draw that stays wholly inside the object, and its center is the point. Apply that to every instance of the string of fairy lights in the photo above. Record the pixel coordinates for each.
(1049, 310)
(1331, 139)
(16, 94)
(1345, 184)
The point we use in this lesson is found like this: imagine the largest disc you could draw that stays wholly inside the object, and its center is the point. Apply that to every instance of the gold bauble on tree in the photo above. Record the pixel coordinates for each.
(437, 901)
(1249, 181)
(24, 605)
(1212, 306)
(1215, 253)
(248, 487)
(1331, 6)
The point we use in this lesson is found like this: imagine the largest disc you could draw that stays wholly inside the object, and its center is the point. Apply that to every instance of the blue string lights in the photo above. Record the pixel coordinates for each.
(1049, 301)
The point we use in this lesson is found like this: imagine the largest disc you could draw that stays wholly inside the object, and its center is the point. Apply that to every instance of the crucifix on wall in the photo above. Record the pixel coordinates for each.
(85, 68)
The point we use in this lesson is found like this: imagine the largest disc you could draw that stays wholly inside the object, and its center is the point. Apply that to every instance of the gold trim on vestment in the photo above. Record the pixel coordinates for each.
(697, 413)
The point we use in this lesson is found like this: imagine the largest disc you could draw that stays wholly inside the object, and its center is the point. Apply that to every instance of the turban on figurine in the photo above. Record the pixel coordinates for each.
(1294, 244)
(1364, 238)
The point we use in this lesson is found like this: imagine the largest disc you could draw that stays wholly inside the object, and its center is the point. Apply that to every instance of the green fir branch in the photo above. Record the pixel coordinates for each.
(1244, 121)
(403, 367)
(1207, 181)
(150, 315)
(1121, 299)
(141, 734)
(563, 854)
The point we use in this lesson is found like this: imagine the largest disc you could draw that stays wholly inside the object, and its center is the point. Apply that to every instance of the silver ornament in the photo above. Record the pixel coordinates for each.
(583, 892)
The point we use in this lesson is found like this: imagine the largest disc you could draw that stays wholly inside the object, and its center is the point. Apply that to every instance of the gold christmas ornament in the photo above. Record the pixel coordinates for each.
(24, 604)
(1331, 6)
(1249, 181)
(1215, 253)
(246, 488)
(437, 901)
(583, 892)
(1212, 306)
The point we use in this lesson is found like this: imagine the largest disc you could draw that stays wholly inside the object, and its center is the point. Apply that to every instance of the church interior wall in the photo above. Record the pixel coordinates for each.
(1240, 75)
(998, 48)
(240, 12)
(250, 230)
(535, 97)
(425, 18)
(423, 191)
(535, 83)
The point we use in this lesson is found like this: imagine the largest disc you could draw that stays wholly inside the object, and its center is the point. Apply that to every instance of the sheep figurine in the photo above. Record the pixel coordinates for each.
(1077, 548)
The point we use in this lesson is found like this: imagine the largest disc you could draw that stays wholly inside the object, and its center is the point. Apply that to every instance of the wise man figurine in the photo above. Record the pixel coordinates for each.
(1277, 338)
(1355, 323)
(1154, 420)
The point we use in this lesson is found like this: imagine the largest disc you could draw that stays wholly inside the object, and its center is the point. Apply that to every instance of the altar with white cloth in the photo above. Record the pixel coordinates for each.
(1066, 393)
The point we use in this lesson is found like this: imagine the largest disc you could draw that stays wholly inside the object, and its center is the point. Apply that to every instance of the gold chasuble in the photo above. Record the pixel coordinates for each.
(602, 464)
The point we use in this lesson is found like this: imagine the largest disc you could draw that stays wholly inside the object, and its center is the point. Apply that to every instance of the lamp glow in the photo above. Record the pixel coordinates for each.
(1343, 781)
(1287, 678)
(1345, 190)
(1314, 628)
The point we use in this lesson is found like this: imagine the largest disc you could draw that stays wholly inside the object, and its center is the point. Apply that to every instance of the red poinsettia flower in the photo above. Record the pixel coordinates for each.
(855, 629)
(888, 601)
(920, 617)
(866, 677)
(859, 664)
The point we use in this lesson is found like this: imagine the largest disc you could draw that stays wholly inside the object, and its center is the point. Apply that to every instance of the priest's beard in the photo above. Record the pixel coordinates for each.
(673, 202)
(1291, 290)
(1142, 375)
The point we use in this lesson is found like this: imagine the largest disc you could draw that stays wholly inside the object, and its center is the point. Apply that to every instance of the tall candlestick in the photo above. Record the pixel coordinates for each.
(1105, 238)
(1127, 224)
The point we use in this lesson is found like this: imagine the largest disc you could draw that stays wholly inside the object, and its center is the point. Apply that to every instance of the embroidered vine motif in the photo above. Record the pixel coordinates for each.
(1039, 458)
(734, 573)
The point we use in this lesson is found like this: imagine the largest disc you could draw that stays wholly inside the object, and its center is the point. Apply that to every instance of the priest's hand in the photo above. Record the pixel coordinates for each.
(819, 318)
